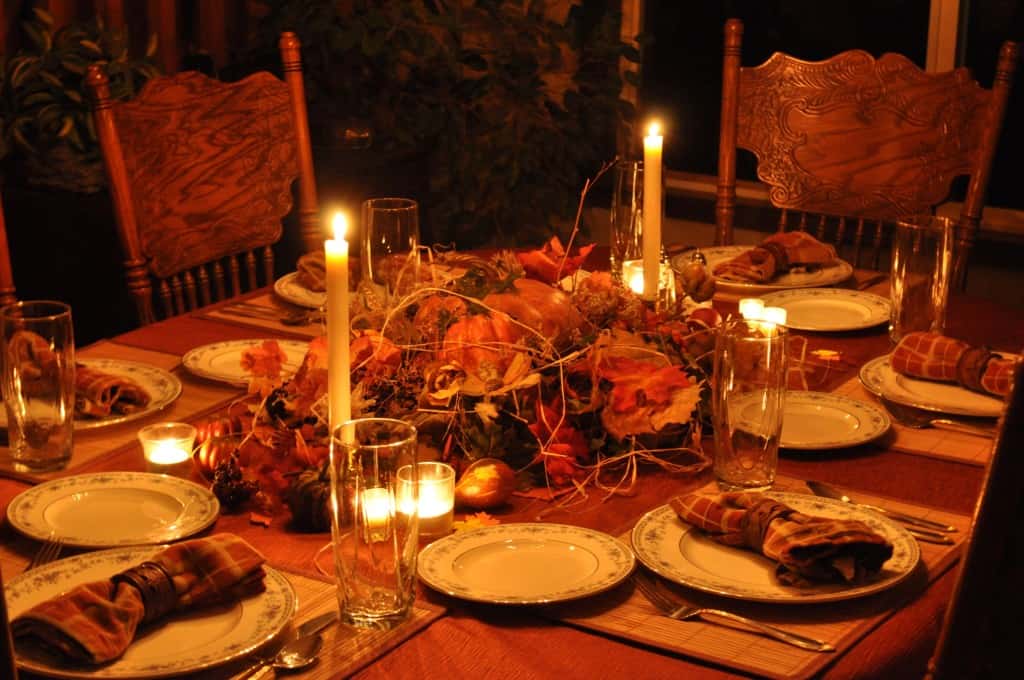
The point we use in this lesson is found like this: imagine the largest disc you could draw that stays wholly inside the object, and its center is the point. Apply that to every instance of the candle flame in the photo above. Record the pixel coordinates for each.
(340, 226)
(654, 129)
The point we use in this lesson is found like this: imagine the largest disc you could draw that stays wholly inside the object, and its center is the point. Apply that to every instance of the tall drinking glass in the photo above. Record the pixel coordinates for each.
(391, 236)
(922, 262)
(748, 397)
(38, 363)
(375, 538)
(626, 232)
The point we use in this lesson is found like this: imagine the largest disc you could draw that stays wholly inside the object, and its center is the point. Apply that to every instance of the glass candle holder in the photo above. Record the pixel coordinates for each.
(633, 278)
(167, 448)
(435, 501)
(751, 308)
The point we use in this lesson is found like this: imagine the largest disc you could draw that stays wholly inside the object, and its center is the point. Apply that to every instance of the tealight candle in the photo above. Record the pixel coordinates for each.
(433, 498)
(633, 276)
(167, 448)
(775, 315)
(376, 509)
(752, 308)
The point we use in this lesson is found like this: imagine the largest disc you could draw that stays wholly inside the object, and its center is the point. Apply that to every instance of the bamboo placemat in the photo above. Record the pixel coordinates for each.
(931, 441)
(273, 305)
(627, 614)
(197, 397)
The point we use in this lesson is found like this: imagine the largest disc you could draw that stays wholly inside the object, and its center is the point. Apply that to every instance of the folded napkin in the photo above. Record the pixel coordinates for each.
(937, 357)
(311, 271)
(95, 622)
(777, 254)
(808, 549)
(99, 394)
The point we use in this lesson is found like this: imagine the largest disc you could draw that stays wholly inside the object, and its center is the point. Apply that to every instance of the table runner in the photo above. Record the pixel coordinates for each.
(627, 614)
(932, 442)
(198, 397)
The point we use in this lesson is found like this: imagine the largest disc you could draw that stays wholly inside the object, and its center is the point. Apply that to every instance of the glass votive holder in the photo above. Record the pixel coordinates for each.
(436, 499)
(751, 308)
(167, 448)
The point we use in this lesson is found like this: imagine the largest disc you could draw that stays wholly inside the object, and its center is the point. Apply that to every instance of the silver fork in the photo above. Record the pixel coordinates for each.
(48, 552)
(908, 416)
(674, 608)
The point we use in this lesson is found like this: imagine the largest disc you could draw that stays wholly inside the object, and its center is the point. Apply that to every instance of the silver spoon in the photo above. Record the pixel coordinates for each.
(295, 655)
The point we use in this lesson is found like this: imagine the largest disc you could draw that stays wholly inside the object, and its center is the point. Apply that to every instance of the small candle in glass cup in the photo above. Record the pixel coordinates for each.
(435, 501)
(167, 448)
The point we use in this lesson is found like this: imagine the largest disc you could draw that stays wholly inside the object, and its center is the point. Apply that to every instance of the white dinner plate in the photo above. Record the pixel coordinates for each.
(677, 551)
(819, 420)
(825, 276)
(879, 377)
(289, 289)
(222, 361)
(525, 563)
(830, 309)
(183, 643)
(109, 509)
(162, 387)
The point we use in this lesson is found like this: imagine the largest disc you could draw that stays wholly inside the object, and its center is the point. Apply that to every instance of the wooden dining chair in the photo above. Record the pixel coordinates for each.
(7, 289)
(852, 143)
(200, 176)
(984, 621)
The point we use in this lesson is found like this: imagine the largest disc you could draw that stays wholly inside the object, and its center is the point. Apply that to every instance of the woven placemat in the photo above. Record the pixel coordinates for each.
(197, 397)
(931, 441)
(237, 313)
(625, 613)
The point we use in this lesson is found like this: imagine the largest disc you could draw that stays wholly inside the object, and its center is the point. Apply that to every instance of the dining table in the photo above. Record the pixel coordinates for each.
(608, 635)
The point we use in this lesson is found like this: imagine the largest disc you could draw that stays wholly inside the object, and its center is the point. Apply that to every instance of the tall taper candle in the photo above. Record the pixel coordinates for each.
(338, 379)
(652, 211)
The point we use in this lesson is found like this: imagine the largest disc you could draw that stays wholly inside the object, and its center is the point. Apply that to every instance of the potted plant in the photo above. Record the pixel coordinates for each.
(492, 112)
(49, 130)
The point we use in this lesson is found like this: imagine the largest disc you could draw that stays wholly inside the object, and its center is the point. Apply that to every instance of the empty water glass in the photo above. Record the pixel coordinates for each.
(391, 237)
(922, 260)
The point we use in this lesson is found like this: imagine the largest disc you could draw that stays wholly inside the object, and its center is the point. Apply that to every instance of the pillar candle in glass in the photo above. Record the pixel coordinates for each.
(436, 498)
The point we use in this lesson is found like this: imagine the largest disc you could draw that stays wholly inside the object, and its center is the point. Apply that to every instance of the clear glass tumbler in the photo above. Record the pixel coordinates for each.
(748, 398)
(391, 236)
(38, 364)
(922, 262)
(375, 537)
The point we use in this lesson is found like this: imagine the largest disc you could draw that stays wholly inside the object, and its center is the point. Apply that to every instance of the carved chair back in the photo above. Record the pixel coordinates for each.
(853, 143)
(983, 625)
(200, 175)
(7, 290)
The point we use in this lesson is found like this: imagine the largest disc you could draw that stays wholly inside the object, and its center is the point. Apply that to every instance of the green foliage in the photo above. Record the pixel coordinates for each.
(43, 96)
(504, 107)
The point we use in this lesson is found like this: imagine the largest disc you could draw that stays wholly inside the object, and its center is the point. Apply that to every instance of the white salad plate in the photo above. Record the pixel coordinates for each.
(222, 361)
(824, 276)
(525, 563)
(819, 420)
(685, 555)
(289, 289)
(830, 309)
(162, 387)
(111, 509)
(879, 377)
(181, 644)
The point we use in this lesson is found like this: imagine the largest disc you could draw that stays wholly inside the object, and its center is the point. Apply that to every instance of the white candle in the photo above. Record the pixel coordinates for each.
(338, 390)
(751, 308)
(775, 315)
(652, 210)
(168, 453)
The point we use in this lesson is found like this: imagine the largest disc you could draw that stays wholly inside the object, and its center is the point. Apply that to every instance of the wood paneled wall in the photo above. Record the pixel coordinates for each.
(213, 27)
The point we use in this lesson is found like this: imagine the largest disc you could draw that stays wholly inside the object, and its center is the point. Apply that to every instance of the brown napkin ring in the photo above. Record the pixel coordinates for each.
(971, 366)
(154, 584)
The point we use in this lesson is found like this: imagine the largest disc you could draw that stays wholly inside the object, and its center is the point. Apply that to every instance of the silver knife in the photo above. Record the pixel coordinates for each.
(317, 624)
(822, 489)
(929, 537)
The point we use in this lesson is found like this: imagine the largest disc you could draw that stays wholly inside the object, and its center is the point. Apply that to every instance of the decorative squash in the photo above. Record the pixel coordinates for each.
(537, 305)
(309, 498)
(482, 344)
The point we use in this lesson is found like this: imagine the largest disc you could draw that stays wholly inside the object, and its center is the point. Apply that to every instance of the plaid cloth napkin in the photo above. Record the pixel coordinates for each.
(96, 622)
(934, 356)
(808, 549)
(776, 254)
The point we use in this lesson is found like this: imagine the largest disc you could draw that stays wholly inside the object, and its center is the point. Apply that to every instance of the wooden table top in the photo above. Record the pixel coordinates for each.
(490, 641)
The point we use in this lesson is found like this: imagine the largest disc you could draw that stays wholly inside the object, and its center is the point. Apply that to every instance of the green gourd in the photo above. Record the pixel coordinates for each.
(308, 497)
